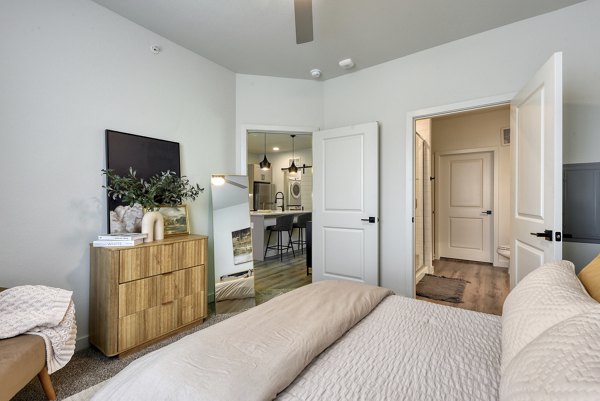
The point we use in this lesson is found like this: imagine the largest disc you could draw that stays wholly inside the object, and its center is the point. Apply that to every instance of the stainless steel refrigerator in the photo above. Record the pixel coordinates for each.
(261, 196)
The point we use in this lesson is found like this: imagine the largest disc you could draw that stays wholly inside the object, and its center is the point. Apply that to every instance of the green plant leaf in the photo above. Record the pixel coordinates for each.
(165, 188)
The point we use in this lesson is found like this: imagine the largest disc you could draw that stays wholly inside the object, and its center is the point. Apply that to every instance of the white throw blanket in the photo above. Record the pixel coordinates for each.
(43, 311)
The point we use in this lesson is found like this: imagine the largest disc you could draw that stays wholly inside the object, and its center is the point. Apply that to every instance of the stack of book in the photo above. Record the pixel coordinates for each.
(123, 239)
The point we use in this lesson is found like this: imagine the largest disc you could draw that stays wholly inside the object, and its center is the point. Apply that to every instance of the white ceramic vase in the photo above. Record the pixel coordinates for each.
(153, 224)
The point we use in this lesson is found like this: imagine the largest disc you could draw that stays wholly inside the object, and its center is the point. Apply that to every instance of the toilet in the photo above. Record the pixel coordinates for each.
(504, 250)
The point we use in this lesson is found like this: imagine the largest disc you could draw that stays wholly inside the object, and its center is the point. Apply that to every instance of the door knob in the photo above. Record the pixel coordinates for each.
(547, 235)
(486, 212)
(370, 219)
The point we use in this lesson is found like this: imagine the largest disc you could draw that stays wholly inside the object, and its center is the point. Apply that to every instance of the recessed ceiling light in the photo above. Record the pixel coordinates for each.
(275, 148)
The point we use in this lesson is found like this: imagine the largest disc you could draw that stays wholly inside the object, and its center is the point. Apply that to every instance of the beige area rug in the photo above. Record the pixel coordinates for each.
(442, 288)
(89, 368)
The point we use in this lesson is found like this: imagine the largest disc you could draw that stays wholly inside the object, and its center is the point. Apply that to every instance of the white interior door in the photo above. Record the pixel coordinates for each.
(536, 157)
(465, 187)
(345, 198)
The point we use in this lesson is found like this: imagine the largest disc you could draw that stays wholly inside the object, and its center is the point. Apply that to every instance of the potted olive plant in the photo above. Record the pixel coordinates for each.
(163, 189)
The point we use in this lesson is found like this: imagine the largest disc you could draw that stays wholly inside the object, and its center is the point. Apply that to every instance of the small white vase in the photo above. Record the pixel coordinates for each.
(153, 224)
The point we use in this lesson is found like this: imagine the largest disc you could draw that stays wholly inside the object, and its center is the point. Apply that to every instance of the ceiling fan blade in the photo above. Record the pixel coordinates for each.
(304, 21)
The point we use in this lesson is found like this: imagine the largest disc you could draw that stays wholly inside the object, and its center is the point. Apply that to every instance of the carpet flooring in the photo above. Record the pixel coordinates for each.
(442, 288)
(89, 367)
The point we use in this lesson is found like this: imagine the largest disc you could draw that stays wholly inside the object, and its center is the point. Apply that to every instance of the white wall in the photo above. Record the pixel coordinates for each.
(481, 129)
(71, 69)
(491, 63)
(277, 102)
(582, 128)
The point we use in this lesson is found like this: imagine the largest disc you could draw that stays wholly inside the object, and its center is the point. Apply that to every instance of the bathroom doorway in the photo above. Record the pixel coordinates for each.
(461, 208)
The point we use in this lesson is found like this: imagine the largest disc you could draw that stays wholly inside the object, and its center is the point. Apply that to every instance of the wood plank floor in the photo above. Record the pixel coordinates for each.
(487, 288)
(272, 277)
(273, 274)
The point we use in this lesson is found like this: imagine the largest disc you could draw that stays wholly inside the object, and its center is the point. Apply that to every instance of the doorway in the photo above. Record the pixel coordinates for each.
(462, 206)
(277, 191)
(465, 201)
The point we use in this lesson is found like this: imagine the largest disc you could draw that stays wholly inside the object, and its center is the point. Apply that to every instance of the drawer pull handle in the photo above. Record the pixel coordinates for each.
(168, 302)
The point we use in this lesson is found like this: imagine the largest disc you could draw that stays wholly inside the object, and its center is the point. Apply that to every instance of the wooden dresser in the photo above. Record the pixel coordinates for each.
(141, 293)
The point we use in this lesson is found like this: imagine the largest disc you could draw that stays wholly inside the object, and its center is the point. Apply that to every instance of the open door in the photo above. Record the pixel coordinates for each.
(346, 204)
(536, 157)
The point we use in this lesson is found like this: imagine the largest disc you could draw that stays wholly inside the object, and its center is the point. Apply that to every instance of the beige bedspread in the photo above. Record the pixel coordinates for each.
(407, 350)
(251, 356)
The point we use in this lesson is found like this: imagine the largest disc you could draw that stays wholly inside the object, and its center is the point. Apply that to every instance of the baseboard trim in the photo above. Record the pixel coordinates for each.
(422, 271)
(501, 263)
(82, 343)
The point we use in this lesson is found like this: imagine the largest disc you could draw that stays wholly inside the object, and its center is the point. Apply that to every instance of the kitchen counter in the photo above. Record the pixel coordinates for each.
(260, 220)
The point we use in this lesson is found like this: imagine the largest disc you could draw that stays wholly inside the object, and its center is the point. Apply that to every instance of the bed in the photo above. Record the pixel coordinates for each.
(348, 341)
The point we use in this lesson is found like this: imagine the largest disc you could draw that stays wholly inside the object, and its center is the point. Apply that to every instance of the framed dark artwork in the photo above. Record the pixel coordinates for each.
(242, 246)
(147, 156)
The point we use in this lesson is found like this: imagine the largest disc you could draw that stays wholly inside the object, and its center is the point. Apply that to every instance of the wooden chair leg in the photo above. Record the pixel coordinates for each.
(47, 384)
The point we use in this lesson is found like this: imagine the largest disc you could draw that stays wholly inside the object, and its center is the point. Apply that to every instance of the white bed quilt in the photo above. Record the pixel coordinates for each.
(408, 350)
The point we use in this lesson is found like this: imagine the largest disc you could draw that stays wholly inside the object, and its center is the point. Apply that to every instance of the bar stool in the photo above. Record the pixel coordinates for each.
(300, 224)
(282, 223)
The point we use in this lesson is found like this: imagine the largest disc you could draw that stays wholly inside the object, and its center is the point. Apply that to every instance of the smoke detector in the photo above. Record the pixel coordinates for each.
(346, 64)
(155, 49)
(315, 73)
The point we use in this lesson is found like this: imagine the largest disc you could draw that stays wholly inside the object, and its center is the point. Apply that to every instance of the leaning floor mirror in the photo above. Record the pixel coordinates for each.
(234, 269)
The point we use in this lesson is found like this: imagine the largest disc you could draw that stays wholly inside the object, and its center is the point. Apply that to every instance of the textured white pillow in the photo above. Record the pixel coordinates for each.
(562, 364)
(546, 296)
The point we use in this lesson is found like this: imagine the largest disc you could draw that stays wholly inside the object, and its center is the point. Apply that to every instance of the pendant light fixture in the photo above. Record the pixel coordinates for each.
(264, 164)
(293, 169)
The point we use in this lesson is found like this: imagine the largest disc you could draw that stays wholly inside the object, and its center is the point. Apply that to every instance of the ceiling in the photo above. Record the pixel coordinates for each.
(258, 36)
(256, 144)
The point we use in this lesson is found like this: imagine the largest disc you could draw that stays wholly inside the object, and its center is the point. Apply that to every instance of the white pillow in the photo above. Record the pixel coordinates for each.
(562, 364)
(546, 296)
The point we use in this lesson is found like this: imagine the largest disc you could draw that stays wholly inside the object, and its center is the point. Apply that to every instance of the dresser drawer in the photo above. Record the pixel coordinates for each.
(135, 296)
(188, 254)
(145, 325)
(191, 308)
(148, 261)
(137, 263)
